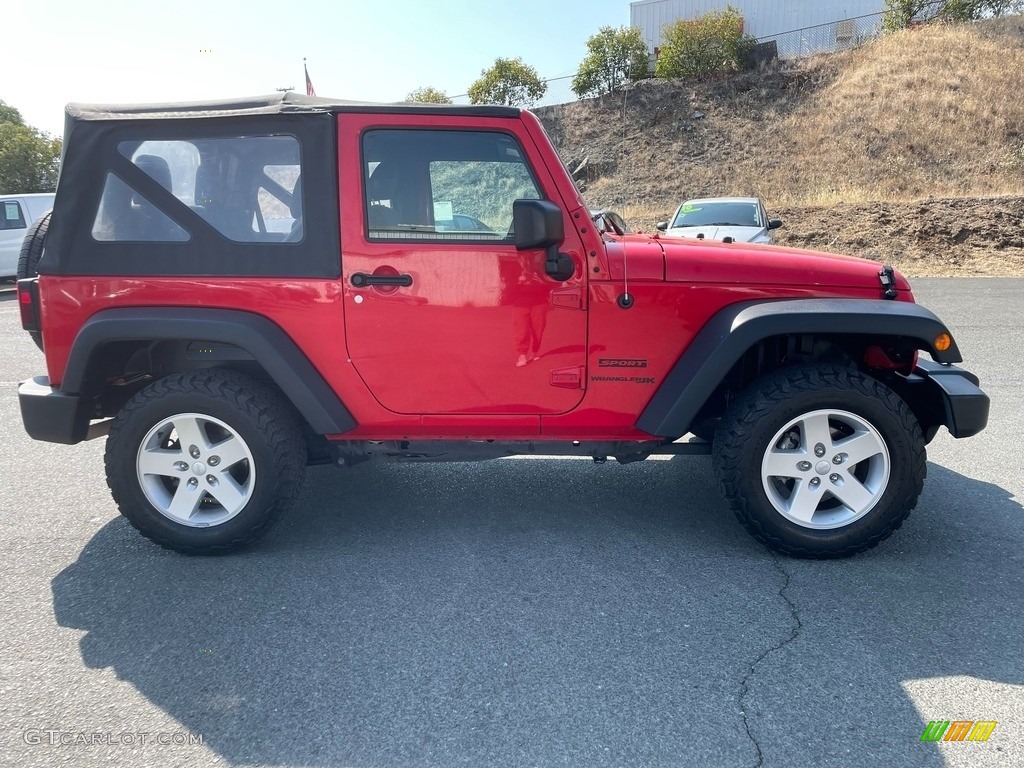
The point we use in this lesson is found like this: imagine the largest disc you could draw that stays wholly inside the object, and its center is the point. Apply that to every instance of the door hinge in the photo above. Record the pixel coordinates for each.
(567, 298)
(569, 378)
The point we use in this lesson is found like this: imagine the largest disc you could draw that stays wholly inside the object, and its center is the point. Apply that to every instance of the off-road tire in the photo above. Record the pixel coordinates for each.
(31, 253)
(255, 412)
(32, 247)
(772, 402)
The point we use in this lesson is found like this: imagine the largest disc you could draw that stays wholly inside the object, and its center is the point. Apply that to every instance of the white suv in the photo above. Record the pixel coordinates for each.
(17, 214)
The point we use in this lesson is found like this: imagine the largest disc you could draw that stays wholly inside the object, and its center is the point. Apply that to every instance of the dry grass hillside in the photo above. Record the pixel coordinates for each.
(910, 148)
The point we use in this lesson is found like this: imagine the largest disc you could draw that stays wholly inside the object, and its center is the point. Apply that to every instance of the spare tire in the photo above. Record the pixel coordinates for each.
(32, 247)
(28, 260)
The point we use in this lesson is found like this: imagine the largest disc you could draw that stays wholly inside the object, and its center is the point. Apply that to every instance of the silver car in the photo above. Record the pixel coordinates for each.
(17, 214)
(731, 219)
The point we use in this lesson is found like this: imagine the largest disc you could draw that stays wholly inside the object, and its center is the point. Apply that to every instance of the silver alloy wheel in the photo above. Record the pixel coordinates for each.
(195, 470)
(825, 469)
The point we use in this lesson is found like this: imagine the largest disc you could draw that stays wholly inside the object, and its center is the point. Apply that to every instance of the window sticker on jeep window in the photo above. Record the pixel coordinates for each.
(125, 215)
(443, 185)
(12, 218)
(248, 188)
(443, 210)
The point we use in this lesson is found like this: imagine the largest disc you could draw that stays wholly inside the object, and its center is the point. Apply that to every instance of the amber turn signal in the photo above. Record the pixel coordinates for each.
(943, 342)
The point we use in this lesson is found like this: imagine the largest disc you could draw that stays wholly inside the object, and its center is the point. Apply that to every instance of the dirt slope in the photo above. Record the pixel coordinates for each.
(909, 149)
(938, 237)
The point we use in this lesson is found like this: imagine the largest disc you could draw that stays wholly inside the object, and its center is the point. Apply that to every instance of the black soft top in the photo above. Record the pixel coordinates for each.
(287, 103)
(99, 140)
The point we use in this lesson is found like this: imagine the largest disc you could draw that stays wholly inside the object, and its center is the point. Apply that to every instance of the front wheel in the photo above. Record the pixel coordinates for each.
(205, 461)
(820, 461)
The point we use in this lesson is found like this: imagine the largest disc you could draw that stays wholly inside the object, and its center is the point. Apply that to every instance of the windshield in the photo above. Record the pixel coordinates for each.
(708, 214)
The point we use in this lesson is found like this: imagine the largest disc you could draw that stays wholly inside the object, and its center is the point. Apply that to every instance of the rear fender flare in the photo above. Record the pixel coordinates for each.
(259, 337)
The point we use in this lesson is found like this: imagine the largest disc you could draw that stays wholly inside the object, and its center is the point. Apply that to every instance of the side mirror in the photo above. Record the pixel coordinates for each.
(661, 226)
(537, 224)
(774, 223)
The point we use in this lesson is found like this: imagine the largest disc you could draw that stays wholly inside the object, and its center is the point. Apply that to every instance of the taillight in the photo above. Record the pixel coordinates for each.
(28, 304)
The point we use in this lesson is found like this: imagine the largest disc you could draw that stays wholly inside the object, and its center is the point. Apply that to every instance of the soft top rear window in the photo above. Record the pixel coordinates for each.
(255, 195)
(248, 188)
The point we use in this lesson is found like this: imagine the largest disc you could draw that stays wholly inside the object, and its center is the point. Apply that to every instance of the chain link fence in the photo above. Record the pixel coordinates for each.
(825, 38)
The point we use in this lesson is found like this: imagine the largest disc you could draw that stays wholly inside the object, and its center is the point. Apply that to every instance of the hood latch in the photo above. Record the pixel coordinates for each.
(887, 278)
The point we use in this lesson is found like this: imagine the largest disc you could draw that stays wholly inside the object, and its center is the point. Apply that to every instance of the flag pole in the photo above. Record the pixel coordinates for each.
(310, 90)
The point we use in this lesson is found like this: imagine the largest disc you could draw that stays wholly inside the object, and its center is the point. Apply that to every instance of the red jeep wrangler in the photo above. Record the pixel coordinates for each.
(235, 290)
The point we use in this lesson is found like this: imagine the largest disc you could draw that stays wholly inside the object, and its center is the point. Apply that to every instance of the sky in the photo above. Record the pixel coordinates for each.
(114, 51)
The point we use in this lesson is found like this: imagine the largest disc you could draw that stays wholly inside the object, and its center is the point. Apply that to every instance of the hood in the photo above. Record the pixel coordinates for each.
(738, 234)
(688, 260)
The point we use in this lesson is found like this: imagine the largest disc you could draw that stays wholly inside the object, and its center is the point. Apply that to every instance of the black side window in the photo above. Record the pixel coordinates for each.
(11, 216)
(442, 185)
(248, 188)
(127, 216)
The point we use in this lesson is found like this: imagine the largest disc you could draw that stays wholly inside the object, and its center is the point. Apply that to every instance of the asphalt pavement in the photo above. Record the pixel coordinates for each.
(521, 612)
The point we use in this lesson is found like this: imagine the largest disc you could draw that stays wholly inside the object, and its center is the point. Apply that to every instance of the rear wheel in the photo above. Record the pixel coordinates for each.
(820, 461)
(206, 461)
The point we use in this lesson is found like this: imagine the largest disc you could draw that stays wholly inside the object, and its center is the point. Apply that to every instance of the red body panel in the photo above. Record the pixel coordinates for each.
(450, 342)
(438, 360)
(656, 330)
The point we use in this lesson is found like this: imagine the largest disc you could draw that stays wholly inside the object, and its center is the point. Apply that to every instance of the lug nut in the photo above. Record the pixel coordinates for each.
(815, 482)
(803, 466)
(839, 458)
(193, 483)
(193, 451)
(211, 480)
(181, 466)
(819, 450)
(213, 461)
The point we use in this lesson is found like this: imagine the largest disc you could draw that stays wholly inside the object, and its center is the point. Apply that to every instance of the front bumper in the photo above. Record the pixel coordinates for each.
(953, 396)
(51, 415)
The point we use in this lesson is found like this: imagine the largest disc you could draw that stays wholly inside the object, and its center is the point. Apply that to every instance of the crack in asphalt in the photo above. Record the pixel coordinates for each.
(793, 634)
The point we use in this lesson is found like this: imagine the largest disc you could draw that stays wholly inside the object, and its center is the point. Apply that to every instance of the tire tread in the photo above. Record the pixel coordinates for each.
(28, 257)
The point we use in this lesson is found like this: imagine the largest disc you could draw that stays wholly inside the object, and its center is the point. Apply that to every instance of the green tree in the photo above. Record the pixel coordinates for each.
(29, 159)
(509, 82)
(900, 14)
(701, 47)
(614, 57)
(9, 114)
(428, 95)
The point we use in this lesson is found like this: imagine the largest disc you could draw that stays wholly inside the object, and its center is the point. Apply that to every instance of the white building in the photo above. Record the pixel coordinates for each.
(825, 25)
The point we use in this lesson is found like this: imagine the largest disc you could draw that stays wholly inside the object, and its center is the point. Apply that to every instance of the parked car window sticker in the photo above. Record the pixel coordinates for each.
(13, 217)
(443, 185)
(245, 187)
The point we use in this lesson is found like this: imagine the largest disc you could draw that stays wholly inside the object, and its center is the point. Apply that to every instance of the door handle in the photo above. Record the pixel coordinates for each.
(361, 279)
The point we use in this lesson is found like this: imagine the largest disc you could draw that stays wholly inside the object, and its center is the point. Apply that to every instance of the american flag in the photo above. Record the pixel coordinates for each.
(310, 91)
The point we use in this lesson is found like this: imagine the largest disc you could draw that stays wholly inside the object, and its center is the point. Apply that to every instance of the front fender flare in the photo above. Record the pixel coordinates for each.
(736, 328)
